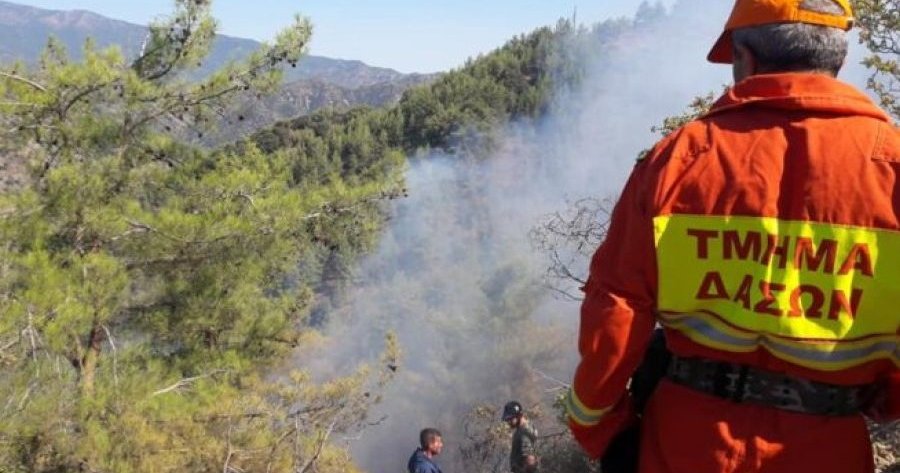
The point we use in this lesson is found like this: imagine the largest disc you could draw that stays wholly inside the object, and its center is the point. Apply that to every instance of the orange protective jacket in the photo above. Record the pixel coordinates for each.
(765, 233)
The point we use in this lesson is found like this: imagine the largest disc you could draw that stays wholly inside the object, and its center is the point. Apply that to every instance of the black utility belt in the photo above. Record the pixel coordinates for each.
(745, 384)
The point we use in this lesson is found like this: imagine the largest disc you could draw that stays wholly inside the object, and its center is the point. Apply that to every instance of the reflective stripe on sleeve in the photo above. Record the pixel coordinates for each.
(581, 414)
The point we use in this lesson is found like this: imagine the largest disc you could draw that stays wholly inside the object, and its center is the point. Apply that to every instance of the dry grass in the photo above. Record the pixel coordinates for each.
(886, 441)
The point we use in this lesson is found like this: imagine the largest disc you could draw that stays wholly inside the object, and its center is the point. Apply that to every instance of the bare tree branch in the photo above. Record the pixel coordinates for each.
(31, 337)
(24, 80)
(559, 384)
(322, 440)
(275, 446)
(112, 343)
(183, 383)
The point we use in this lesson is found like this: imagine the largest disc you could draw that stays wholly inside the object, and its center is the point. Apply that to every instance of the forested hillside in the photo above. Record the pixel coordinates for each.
(462, 107)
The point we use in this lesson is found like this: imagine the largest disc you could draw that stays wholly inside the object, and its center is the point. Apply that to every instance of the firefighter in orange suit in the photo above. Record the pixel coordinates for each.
(765, 238)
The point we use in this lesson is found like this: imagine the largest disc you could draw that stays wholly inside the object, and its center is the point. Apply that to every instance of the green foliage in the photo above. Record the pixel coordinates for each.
(150, 291)
(512, 82)
(700, 105)
(879, 22)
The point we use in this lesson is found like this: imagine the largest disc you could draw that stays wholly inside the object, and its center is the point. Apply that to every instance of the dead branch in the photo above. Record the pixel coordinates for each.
(226, 468)
(129, 232)
(9, 103)
(186, 382)
(248, 197)
(9, 345)
(23, 80)
(319, 447)
(31, 337)
(138, 226)
(275, 446)
(559, 384)
(112, 343)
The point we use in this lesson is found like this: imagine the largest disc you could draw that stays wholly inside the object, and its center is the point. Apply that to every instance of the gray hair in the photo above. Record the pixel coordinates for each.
(791, 47)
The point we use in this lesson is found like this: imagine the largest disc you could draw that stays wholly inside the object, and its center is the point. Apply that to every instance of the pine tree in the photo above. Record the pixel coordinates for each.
(151, 291)
(879, 23)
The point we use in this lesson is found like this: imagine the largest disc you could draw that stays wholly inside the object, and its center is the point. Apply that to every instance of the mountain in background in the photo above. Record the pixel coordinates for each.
(317, 82)
(303, 97)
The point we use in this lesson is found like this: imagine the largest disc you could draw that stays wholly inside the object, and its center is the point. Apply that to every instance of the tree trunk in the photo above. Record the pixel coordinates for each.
(90, 360)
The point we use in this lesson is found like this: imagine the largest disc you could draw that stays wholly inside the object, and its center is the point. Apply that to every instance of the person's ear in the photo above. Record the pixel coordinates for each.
(744, 64)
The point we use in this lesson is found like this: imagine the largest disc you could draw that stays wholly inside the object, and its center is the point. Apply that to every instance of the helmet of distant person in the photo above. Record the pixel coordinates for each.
(511, 410)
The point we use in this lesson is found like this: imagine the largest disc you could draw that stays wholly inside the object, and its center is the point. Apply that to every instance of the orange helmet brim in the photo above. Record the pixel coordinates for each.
(722, 52)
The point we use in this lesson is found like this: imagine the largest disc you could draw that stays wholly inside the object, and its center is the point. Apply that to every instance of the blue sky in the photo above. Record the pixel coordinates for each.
(407, 35)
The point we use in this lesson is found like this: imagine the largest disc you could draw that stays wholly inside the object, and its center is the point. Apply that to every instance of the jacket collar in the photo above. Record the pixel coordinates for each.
(422, 457)
(799, 91)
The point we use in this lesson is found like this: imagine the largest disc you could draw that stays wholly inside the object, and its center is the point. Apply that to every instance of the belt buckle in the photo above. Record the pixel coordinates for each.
(740, 384)
(730, 381)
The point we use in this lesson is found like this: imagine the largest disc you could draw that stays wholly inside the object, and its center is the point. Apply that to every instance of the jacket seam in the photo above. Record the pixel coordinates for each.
(693, 152)
(879, 153)
(797, 99)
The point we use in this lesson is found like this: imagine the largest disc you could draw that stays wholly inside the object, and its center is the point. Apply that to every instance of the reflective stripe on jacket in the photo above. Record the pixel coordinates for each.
(765, 233)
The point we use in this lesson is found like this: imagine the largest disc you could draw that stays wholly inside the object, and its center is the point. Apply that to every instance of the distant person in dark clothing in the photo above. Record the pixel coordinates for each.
(522, 454)
(422, 460)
